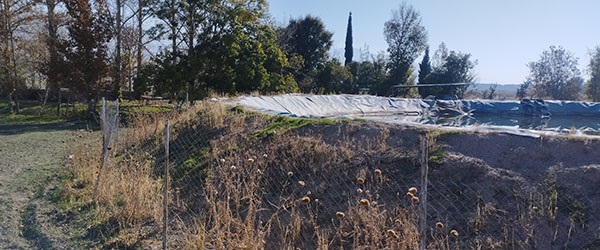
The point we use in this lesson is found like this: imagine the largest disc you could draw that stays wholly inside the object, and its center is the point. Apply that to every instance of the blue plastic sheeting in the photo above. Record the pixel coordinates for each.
(556, 108)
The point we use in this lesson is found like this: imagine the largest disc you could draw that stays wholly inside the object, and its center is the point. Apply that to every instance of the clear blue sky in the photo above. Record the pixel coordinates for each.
(502, 35)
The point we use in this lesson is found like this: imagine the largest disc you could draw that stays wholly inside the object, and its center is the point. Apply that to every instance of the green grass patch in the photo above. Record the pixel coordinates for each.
(283, 124)
(194, 167)
(32, 113)
(129, 109)
(436, 155)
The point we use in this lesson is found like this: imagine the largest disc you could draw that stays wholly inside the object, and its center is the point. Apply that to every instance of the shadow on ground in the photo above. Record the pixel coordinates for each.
(13, 129)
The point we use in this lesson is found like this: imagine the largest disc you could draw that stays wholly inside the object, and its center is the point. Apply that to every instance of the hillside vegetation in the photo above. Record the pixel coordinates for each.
(243, 180)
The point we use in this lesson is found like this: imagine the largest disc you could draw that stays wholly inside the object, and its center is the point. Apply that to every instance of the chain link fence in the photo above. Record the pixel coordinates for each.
(225, 179)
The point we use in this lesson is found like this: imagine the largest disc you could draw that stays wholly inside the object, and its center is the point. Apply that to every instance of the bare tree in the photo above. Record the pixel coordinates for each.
(14, 16)
(54, 66)
(118, 78)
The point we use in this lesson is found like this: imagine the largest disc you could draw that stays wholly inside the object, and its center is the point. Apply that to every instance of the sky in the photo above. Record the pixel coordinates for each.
(502, 35)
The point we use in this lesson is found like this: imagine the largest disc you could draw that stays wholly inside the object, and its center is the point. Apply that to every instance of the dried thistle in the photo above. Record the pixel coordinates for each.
(360, 180)
(454, 233)
(250, 160)
(415, 200)
(365, 202)
(439, 225)
(340, 215)
(290, 174)
(413, 190)
(305, 199)
(409, 195)
(378, 171)
(301, 183)
(393, 233)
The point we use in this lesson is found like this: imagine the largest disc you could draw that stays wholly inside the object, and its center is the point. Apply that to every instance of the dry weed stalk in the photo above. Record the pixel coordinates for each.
(374, 226)
(128, 193)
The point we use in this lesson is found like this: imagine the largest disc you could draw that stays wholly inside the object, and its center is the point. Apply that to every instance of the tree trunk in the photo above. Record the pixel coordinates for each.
(192, 36)
(17, 103)
(173, 24)
(140, 42)
(118, 61)
(45, 100)
(91, 109)
(10, 106)
(52, 40)
(59, 102)
(7, 32)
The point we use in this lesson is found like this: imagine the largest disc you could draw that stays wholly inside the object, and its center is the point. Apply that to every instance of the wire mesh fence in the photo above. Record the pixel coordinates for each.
(212, 180)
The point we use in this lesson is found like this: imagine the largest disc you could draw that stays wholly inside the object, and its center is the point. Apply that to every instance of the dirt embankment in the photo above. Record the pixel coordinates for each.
(32, 160)
(496, 188)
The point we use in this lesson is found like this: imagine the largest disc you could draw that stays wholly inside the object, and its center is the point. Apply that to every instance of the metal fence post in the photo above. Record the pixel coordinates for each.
(166, 188)
(116, 126)
(424, 181)
(104, 125)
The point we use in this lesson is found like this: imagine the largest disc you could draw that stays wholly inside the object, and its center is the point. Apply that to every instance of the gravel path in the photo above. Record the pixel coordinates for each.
(31, 161)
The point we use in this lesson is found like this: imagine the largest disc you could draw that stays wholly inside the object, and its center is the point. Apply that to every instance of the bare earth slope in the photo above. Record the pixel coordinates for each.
(31, 160)
(544, 191)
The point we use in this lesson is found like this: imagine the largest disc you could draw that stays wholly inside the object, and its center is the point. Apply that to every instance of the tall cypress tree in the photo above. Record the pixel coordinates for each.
(424, 67)
(348, 50)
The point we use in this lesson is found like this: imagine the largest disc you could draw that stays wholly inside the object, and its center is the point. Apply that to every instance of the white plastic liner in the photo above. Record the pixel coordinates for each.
(565, 116)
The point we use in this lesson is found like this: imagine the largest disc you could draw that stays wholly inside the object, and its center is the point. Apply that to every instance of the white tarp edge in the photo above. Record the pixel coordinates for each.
(584, 117)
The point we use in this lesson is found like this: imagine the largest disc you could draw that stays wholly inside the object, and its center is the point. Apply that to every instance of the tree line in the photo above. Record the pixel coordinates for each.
(186, 49)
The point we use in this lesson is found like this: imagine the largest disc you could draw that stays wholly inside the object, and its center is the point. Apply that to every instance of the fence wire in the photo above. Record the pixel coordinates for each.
(309, 190)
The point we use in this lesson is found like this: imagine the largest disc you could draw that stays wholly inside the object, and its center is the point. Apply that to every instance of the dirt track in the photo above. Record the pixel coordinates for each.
(31, 161)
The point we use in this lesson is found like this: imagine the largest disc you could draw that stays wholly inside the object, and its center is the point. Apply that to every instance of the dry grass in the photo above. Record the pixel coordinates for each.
(274, 196)
(253, 198)
(304, 189)
(129, 194)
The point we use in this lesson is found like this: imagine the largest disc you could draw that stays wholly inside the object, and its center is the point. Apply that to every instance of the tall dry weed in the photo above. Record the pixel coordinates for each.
(258, 193)
(129, 192)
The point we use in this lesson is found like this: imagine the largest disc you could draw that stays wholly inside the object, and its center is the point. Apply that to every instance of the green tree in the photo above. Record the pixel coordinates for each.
(592, 89)
(244, 57)
(406, 39)
(490, 93)
(225, 48)
(370, 73)
(452, 67)
(308, 38)
(377, 77)
(424, 67)
(348, 50)
(334, 79)
(555, 75)
(160, 76)
(86, 49)
(522, 90)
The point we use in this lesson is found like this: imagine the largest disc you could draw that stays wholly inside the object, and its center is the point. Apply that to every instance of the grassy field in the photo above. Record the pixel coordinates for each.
(32, 113)
(33, 158)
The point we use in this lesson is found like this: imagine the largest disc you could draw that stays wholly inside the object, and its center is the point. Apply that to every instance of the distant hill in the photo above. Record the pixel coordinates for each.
(503, 91)
(500, 87)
